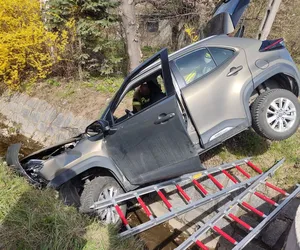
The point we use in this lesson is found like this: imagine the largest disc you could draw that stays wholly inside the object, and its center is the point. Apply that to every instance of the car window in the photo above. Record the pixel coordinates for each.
(147, 92)
(195, 65)
(221, 55)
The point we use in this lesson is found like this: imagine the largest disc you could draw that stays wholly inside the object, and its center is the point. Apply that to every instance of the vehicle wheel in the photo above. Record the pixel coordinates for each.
(100, 188)
(276, 114)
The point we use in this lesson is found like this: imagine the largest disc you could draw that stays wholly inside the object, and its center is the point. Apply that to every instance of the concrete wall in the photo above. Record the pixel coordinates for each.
(39, 120)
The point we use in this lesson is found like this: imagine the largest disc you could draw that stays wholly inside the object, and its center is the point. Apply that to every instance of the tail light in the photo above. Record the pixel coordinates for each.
(269, 45)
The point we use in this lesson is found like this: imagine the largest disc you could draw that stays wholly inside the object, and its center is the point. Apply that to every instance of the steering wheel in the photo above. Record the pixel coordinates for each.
(128, 112)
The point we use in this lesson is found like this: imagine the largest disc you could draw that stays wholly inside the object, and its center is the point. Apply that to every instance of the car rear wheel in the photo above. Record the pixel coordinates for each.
(101, 188)
(276, 114)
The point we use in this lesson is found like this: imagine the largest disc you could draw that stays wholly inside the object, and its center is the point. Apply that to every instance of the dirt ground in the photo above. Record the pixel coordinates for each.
(78, 99)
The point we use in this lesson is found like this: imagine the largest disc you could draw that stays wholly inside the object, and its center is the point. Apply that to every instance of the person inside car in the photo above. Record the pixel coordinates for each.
(199, 67)
(146, 94)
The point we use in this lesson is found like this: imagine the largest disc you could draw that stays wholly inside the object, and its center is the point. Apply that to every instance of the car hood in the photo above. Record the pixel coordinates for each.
(84, 150)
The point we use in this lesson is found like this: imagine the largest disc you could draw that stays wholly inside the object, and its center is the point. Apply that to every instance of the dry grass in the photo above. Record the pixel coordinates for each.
(35, 219)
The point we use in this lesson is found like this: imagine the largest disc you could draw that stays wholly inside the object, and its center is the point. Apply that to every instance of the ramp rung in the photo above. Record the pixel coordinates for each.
(253, 209)
(200, 187)
(257, 169)
(164, 199)
(146, 209)
(229, 176)
(241, 222)
(122, 216)
(243, 171)
(215, 181)
(265, 198)
(225, 235)
(279, 190)
(183, 193)
(201, 245)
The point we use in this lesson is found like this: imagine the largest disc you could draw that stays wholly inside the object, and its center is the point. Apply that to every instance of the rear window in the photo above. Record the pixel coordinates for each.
(221, 55)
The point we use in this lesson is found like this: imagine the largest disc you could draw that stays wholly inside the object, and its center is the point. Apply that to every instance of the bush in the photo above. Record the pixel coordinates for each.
(27, 49)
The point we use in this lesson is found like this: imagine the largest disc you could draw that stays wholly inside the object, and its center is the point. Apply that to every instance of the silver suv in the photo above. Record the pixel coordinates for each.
(199, 97)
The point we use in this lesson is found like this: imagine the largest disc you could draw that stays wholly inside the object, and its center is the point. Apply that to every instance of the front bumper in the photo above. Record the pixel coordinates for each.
(12, 159)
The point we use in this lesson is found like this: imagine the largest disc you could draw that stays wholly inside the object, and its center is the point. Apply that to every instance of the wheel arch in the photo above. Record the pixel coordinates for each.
(278, 81)
(285, 75)
(93, 166)
(281, 75)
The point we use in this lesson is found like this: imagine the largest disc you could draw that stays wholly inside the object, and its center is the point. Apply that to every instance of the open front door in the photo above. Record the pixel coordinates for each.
(152, 144)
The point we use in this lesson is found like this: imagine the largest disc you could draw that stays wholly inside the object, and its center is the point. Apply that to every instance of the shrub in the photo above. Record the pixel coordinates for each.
(27, 49)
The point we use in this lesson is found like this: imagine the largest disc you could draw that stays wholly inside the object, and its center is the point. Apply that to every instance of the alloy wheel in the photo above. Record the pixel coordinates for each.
(108, 215)
(281, 114)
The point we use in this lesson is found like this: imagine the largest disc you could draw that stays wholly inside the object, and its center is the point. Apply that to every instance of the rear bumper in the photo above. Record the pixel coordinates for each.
(12, 159)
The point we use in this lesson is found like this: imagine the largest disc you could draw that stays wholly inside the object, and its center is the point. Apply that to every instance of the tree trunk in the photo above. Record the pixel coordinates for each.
(131, 32)
(80, 71)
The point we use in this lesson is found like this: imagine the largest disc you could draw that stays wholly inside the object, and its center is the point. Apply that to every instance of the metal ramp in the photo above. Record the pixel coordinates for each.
(249, 185)
(238, 201)
(194, 179)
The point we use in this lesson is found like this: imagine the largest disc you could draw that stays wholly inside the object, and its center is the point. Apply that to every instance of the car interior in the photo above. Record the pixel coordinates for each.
(157, 91)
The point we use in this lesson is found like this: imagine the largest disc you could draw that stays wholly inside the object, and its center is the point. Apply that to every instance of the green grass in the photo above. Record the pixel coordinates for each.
(107, 84)
(36, 219)
(264, 152)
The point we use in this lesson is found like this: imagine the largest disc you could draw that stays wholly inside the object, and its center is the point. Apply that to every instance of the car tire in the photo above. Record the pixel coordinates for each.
(68, 193)
(100, 188)
(276, 114)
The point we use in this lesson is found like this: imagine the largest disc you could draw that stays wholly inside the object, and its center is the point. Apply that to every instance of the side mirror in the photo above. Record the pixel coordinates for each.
(97, 127)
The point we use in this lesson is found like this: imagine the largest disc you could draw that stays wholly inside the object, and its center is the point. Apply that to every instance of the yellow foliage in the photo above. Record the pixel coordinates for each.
(27, 49)
(190, 31)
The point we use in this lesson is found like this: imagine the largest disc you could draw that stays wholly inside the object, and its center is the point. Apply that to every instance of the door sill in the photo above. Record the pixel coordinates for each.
(222, 139)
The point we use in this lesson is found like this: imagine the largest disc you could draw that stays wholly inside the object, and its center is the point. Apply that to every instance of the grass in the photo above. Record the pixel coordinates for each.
(264, 152)
(36, 219)
(105, 85)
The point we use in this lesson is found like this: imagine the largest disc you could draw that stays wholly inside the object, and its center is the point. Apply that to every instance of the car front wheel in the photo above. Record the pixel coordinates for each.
(101, 188)
(276, 114)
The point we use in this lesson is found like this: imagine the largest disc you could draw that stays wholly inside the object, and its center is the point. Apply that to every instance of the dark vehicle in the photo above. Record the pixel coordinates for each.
(202, 95)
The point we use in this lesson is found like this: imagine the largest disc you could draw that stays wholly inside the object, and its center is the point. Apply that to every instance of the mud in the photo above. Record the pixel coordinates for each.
(162, 236)
(8, 137)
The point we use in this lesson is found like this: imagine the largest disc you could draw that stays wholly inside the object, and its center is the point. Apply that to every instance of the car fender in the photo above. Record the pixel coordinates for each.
(66, 174)
(262, 77)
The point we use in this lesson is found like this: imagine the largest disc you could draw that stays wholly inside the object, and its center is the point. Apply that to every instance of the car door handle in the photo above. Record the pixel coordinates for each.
(234, 70)
(163, 118)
